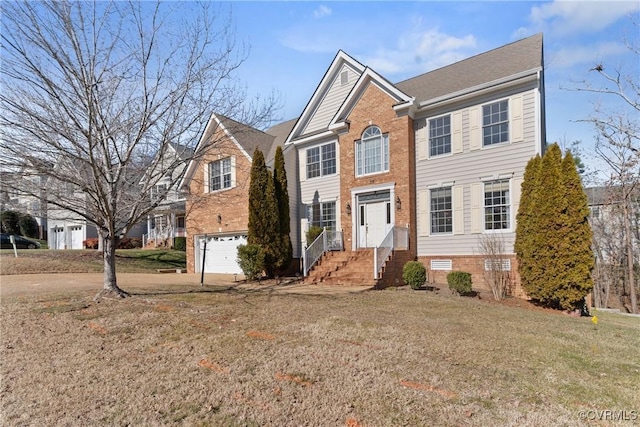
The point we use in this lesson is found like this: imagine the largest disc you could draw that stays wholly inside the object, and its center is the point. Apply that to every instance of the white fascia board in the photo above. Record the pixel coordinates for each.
(368, 76)
(512, 80)
(340, 58)
(312, 138)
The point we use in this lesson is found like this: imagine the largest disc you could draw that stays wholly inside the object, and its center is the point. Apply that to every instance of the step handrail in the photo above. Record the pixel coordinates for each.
(397, 237)
(328, 240)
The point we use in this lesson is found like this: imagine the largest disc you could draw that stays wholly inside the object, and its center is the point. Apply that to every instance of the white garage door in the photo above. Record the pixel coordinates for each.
(76, 237)
(222, 252)
(57, 240)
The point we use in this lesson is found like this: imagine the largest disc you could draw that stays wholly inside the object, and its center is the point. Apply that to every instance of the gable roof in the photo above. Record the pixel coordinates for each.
(247, 137)
(280, 132)
(508, 60)
(323, 87)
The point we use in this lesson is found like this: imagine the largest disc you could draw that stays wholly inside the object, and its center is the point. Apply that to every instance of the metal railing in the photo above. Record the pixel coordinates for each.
(328, 240)
(396, 238)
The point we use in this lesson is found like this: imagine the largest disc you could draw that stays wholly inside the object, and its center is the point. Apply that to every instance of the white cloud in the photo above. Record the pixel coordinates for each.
(322, 11)
(586, 55)
(562, 17)
(421, 51)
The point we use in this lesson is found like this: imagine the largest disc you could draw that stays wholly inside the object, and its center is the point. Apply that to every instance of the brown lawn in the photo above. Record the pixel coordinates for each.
(244, 358)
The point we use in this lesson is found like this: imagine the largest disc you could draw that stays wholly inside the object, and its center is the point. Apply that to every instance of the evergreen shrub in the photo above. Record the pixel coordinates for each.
(414, 274)
(459, 282)
(251, 260)
(180, 243)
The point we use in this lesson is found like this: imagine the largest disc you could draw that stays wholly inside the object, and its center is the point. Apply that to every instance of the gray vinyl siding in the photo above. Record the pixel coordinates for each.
(291, 168)
(331, 101)
(506, 161)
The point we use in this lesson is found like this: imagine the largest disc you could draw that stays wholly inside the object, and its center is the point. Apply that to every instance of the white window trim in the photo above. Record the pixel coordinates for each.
(511, 207)
(385, 137)
(319, 147)
(481, 124)
(450, 153)
(207, 177)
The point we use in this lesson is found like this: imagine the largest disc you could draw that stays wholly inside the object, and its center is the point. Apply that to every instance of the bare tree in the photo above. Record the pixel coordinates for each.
(496, 273)
(618, 145)
(94, 92)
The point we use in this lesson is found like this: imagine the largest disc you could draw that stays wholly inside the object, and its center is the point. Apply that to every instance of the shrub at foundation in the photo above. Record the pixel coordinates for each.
(180, 243)
(251, 260)
(414, 274)
(459, 282)
(312, 234)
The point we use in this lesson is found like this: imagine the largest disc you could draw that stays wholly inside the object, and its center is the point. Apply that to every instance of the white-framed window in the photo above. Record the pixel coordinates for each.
(321, 160)
(497, 205)
(440, 136)
(441, 210)
(495, 123)
(157, 191)
(220, 175)
(372, 152)
(323, 215)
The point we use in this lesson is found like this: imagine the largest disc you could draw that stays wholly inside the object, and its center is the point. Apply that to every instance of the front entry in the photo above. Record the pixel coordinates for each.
(374, 219)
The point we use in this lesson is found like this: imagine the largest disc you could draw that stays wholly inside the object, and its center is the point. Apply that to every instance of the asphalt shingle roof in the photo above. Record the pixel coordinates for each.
(514, 58)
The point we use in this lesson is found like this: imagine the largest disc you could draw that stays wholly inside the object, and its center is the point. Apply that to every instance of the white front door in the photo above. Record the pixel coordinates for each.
(373, 224)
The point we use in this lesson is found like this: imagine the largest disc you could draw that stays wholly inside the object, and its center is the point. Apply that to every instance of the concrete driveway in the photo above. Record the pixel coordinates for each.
(34, 284)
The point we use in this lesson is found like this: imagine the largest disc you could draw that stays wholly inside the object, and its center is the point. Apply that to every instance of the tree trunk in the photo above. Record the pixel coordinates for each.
(110, 288)
(630, 258)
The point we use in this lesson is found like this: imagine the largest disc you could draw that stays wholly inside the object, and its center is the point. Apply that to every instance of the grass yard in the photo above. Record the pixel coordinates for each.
(381, 358)
(88, 261)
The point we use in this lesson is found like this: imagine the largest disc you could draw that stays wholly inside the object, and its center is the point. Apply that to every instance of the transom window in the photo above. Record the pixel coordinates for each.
(440, 136)
(323, 215)
(321, 160)
(495, 123)
(220, 174)
(372, 152)
(441, 211)
(497, 205)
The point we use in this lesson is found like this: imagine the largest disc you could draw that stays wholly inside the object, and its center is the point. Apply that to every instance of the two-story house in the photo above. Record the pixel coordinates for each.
(217, 182)
(424, 168)
(167, 220)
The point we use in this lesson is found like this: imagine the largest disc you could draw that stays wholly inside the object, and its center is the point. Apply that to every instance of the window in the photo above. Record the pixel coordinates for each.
(323, 215)
(440, 136)
(496, 205)
(372, 152)
(220, 174)
(321, 160)
(495, 123)
(344, 78)
(441, 211)
(158, 191)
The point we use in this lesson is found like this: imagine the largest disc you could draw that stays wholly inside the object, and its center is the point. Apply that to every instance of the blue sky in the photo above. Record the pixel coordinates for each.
(293, 43)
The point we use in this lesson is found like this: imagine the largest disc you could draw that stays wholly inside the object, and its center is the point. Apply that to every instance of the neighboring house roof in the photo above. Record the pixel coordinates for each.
(247, 138)
(280, 133)
(512, 59)
(597, 196)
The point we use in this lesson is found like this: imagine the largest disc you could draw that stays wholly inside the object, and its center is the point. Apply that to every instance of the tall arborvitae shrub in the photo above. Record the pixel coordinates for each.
(263, 212)
(553, 236)
(284, 249)
(579, 259)
(525, 231)
(546, 230)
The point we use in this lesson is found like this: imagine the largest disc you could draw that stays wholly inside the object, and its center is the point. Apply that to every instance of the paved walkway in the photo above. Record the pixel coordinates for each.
(34, 284)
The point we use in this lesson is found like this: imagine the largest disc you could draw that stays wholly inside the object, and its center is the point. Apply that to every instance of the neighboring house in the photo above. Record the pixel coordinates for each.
(422, 169)
(167, 221)
(218, 186)
(24, 192)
